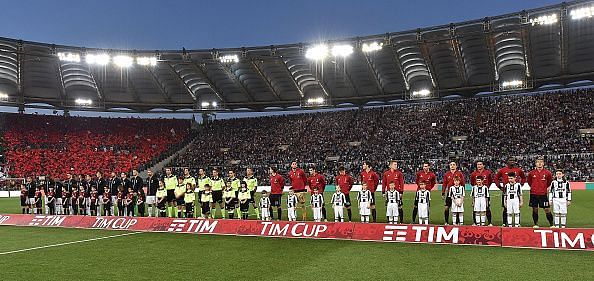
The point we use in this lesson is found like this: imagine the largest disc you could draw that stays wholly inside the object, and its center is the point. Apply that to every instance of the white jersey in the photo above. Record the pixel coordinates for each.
(292, 201)
(338, 199)
(392, 197)
(423, 196)
(560, 189)
(480, 192)
(316, 200)
(364, 196)
(512, 191)
(457, 192)
(265, 202)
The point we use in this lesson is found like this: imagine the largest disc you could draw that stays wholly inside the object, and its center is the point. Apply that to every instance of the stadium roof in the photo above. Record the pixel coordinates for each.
(523, 50)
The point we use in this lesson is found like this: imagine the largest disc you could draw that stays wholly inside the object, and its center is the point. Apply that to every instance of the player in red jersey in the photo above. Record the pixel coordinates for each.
(487, 177)
(393, 175)
(345, 182)
(298, 178)
(448, 181)
(501, 179)
(318, 181)
(424, 176)
(370, 177)
(539, 181)
(277, 184)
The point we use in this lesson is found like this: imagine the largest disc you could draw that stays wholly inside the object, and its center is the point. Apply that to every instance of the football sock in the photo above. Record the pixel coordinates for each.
(550, 218)
(517, 219)
(323, 212)
(350, 214)
(535, 217)
(373, 214)
(414, 215)
(489, 216)
(280, 213)
(563, 221)
(446, 216)
(400, 215)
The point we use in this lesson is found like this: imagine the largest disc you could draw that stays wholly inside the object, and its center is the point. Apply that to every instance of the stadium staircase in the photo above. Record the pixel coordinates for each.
(160, 165)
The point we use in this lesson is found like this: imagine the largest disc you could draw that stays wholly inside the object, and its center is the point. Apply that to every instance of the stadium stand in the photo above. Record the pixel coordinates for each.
(488, 128)
(53, 145)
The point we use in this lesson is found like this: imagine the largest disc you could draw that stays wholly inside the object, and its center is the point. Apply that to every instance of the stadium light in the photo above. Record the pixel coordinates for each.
(421, 93)
(100, 59)
(371, 47)
(342, 50)
(146, 61)
(83, 101)
(205, 104)
(69, 57)
(3, 96)
(319, 100)
(544, 20)
(123, 61)
(318, 52)
(512, 84)
(229, 59)
(214, 104)
(581, 13)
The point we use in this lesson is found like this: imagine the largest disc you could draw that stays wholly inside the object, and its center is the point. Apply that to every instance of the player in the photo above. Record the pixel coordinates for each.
(170, 181)
(428, 177)
(245, 198)
(38, 201)
(82, 200)
(345, 182)
(393, 200)
(448, 181)
(113, 183)
(318, 181)
(317, 202)
(51, 200)
(94, 201)
(31, 190)
(217, 184)
(480, 198)
(422, 202)
(189, 199)
(129, 202)
(120, 201)
(265, 206)
(202, 180)
(252, 184)
(230, 199)
(292, 202)
(235, 183)
(560, 198)
(277, 184)
(74, 200)
(161, 199)
(140, 200)
(298, 179)
(24, 198)
(107, 203)
(394, 175)
(371, 179)
(152, 184)
(540, 180)
(457, 198)
(364, 197)
(513, 200)
(66, 202)
(487, 177)
(501, 179)
(206, 201)
(180, 191)
(338, 202)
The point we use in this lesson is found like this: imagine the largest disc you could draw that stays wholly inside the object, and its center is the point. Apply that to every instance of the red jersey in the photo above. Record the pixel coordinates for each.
(37, 194)
(316, 181)
(23, 193)
(120, 196)
(486, 174)
(345, 183)
(448, 180)
(501, 177)
(371, 179)
(51, 194)
(539, 181)
(140, 199)
(277, 184)
(106, 198)
(298, 179)
(396, 177)
(429, 177)
(94, 196)
(129, 198)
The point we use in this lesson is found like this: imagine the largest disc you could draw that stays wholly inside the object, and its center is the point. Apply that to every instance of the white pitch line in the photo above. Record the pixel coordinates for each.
(68, 243)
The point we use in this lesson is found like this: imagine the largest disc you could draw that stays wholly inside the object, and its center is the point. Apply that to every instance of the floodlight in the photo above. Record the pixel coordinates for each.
(512, 84)
(83, 101)
(581, 13)
(544, 20)
(371, 47)
(214, 104)
(342, 50)
(319, 100)
(421, 93)
(318, 52)
(123, 61)
(3, 96)
(152, 61)
(204, 104)
(99, 59)
(69, 57)
(229, 59)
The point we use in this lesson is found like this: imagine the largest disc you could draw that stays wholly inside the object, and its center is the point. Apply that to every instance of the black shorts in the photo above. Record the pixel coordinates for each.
(540, 201)
(24, 202)
(448, 201)
(170, 195)
(217, 196)
(189, 207)
(205, 206)
(275, 200)
(180, 201)
(347, 200)
(253, 196)
(244, 207)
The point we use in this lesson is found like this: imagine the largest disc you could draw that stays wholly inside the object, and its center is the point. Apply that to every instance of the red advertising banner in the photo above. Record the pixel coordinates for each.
(547, 238)
(516, 237)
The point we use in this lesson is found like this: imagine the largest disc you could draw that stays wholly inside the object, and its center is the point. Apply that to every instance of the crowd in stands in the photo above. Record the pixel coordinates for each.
(489, 128)
(53, 145)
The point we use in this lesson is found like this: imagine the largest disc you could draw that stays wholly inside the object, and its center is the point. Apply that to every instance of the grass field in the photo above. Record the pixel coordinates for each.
(167, 256)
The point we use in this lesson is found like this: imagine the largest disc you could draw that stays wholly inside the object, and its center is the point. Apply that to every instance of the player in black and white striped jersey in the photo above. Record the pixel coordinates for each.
(292, 202)
(265, 206)
(422, 200)
(338, 201)
(513, 200)
(457, 194)
(393, 202)
(365, 199)
(560, 198)
(317, 202)
(480, 199)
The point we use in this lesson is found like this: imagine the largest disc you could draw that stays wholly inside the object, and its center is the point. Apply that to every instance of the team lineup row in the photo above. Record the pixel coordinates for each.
(233, 196)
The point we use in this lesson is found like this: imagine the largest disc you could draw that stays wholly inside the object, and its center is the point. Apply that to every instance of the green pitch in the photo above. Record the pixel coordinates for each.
(26, 253)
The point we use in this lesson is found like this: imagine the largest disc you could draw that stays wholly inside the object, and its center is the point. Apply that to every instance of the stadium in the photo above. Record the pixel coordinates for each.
(357, 157)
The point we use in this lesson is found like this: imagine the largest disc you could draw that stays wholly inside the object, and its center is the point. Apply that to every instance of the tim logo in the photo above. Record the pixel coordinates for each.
(195, 226)
(119, 223)
(47, 221)
(3, 219)
(561, 239)
(419, 233)
(400, 233)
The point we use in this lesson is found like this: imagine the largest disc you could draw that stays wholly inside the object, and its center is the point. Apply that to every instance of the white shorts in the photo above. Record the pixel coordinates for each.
(100, 202)
(392, 210)
(265, 213)
(151, 200)
(317, 213)
(58, 201)
(457, 208)
(30, 200)
(423, 210)
(338, 211)
(364, 209)
(292, 214)
(480, 204)
(513, 206)
(114, 200)
(560, 206)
